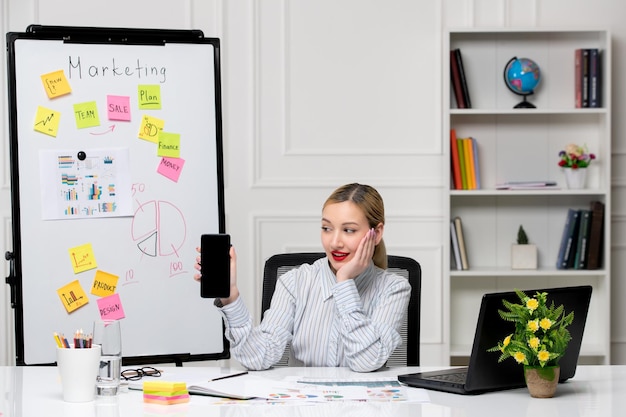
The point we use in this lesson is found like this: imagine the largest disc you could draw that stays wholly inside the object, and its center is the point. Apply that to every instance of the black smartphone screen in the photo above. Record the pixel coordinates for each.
(215, 262)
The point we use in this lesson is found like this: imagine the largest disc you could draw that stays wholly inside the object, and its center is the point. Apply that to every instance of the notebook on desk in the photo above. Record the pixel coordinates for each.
(484, 373)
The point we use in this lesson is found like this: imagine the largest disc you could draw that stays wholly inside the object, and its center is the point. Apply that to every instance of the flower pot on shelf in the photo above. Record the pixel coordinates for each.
(524, 256)
(575, 178)
(542, 382)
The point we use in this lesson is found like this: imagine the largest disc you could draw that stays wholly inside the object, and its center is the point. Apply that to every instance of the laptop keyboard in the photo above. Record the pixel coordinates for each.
(456, 378)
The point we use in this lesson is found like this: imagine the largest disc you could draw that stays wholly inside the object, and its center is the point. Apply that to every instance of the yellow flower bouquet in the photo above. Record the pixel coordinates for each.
(540, 337)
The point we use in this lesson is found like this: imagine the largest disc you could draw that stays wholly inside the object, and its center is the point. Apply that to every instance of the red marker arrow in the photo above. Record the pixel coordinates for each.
(110, 129)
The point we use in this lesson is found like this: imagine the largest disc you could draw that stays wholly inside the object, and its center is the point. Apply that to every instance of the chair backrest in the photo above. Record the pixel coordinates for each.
(407, 354)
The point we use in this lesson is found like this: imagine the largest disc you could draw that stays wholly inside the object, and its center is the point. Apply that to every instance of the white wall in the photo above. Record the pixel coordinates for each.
(320, 93)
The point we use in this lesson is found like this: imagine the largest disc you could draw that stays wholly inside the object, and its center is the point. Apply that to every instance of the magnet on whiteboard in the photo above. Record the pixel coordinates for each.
(81, 155)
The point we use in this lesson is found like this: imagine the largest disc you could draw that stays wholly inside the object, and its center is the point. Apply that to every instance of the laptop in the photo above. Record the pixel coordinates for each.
(484, 373)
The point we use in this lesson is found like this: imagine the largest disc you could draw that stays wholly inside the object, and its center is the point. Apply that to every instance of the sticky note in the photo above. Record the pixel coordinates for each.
(171, 168)
(72, 296)
(164, 386)
(55, 84)
(110, 307)
(86, 114)
(47, 121)
(149, 96)
(150, 128)
(104, 284)
(82, 258)
(169, 145)
(118, 108)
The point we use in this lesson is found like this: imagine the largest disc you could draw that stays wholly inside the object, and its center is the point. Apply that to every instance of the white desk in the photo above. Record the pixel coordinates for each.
(594, 391)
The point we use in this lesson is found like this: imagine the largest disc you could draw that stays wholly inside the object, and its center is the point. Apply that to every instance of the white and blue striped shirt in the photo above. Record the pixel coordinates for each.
(355, 323)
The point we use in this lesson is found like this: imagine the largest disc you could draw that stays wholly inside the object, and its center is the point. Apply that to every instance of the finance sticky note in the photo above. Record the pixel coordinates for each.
(118, 108)
(86, 114)
(171, 168)
(55, 84)
(169, 145)
(47, 121)
(149, 96)
(150, 128)
(72, 296)
(110, 307)
(104, 284)
(82, 258)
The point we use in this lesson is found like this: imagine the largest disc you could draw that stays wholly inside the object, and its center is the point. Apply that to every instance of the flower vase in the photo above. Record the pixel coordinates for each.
(542, 382)
(575, 178)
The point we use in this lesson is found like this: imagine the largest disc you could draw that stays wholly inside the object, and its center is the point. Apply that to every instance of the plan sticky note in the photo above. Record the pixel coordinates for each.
(86, 114)
(104, 284)
(150, 128)
(169, 145)
(55, 84)
(110, 307)
(118, 108)
(171, 168)
(82, 258)
(72, 296)
(47, 121)
(149, 96)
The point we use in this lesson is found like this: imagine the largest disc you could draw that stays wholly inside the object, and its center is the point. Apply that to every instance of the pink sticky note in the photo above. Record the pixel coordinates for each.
(111, 307)
(118, 108)
(171, 167)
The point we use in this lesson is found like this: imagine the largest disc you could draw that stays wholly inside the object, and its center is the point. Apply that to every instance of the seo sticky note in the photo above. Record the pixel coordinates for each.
(72, 296)
(55, 84)
(104, 284)
(82, 258)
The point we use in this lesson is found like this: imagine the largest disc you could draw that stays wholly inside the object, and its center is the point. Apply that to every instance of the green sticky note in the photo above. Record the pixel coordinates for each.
(86, 114)
(149, 96)
(169, 145)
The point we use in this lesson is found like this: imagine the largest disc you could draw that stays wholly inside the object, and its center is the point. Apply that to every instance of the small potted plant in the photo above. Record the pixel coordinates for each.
(523, 254)
(539, 339)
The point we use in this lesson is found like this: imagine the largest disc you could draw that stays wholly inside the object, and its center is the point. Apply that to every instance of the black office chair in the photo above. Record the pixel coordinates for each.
(408, 353)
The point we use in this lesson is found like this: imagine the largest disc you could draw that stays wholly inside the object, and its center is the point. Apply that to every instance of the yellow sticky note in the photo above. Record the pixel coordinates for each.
(47, 121)
(56, 84)
(82, 258)
(72, 296)
(150, 128)
(149, 96)
(86, 114)
(169, 145)
(104, 284)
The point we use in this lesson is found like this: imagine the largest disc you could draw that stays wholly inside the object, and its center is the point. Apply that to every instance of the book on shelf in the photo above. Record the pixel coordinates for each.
(567, 247)
(585, 78)
(469, 163)
(454, 162)
(464, 89)
(456, 254)
(582, 246)
(462, 169)
(578, 78)
(595, 87)
(596, 235)
(476, 164)
(455, 79)
(528, 185)
(458, 225)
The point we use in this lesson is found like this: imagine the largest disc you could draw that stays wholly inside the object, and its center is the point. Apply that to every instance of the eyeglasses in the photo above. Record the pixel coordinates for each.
(137, 374)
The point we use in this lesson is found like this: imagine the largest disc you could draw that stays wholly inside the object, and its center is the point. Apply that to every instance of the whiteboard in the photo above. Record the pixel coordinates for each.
(148, 235)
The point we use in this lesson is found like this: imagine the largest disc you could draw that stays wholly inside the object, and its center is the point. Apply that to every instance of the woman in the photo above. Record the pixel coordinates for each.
(343, 310)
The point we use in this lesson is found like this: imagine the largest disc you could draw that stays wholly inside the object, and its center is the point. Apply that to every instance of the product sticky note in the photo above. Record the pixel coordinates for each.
(171, 168)
(82, 258)
(110, 307)
(150, 128)
(72, 296)
(169, 145)
(118, 108)
(86, 114)
(56, 84)
(47, 121)
(104, 284)
(149, 96)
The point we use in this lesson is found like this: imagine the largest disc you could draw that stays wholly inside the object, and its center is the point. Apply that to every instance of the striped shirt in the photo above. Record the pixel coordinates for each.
(354, 323)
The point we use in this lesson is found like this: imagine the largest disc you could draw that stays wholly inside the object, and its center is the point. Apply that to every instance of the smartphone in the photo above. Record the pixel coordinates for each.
(215, 262)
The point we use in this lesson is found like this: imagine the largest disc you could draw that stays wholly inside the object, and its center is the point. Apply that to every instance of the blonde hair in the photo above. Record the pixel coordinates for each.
(371, 203)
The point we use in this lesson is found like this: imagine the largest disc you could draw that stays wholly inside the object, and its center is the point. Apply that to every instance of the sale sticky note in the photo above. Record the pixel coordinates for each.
(82, 258)
(171, 168)
(111, 307)
(72, 296)
(169, 145)
(104, 284)
(150, 128)
(55, 84)
(47, 121)
(149, 96)
(118, 108)
(86, 114)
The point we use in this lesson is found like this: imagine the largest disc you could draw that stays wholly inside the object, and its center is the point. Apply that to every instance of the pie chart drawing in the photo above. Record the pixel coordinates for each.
(159, 228)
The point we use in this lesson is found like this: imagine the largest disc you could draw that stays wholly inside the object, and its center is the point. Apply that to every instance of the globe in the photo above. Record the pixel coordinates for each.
(521, 76)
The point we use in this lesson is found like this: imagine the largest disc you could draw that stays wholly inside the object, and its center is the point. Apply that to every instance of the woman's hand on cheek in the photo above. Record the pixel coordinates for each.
(361, 259)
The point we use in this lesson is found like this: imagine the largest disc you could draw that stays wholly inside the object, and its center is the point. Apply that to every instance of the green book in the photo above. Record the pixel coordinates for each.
(461, 148)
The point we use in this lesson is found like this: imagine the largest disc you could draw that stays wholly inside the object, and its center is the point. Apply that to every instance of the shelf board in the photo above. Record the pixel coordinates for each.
(516, 193)
(540, 272)
(526, 112)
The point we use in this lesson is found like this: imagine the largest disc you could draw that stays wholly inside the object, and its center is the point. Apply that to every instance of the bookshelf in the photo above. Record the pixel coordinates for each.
(523, 145)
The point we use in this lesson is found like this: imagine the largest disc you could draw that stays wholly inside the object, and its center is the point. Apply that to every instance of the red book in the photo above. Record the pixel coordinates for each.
(455, 76)
(456, 165)
(578, 78)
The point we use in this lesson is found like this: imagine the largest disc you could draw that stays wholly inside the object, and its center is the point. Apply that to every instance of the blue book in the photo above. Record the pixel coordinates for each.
(568, 240)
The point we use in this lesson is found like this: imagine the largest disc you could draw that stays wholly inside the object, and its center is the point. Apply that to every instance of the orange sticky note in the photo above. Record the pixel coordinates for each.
(56, 84)
(47, 121)
(104, 284)
(150, 128)
(72, 296)
(82, 258)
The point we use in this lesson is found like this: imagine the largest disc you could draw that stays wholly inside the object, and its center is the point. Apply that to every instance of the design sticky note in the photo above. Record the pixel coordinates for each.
(169, 145)
(104, 284)
(47, 121)
(72, 296)
(86, 114)
(149, 96)
(171, 168)
(150, 128)
(55, 84)
(118, 108)
(82, 258)
(111, 307)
